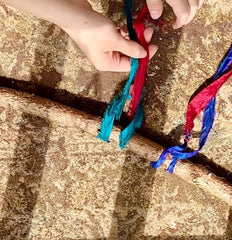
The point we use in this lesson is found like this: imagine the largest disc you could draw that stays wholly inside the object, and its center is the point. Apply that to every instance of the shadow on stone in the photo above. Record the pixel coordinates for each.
(229, 226)
(60, 95)
(27, 167)
(25, 174)
(159, 71)
(133, 199)
(132, 179)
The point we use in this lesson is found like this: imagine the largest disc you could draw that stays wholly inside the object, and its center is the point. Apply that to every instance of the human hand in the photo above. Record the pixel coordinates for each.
(106, 47)
(184, 10)
(96, 35)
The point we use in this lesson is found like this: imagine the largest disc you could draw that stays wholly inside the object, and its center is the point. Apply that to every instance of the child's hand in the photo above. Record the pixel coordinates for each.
(184, 10)
(96, 35)
(102, 43)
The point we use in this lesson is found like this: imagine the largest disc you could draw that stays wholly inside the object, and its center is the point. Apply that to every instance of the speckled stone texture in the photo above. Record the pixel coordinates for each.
(60, 183)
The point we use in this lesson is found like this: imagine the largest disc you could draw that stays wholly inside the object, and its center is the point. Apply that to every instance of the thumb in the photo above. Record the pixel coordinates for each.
(155, 7)
(130, 48)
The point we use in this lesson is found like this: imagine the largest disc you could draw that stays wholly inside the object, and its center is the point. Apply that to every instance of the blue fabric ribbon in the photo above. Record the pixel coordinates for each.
(137, 121)
(225, 64)
(114, 110)
(177, 152)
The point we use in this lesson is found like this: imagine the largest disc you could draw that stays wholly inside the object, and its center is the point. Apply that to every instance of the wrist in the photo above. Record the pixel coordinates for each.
(60, 12)
(69, 13)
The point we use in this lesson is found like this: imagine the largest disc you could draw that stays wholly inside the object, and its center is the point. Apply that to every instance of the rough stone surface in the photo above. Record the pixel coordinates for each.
(60, 183)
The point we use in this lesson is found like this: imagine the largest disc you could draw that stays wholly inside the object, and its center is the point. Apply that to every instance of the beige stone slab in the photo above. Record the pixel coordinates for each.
(59, 182)
(36, 51)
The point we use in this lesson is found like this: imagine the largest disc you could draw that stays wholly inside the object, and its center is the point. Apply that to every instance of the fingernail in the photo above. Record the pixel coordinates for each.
(155, 14)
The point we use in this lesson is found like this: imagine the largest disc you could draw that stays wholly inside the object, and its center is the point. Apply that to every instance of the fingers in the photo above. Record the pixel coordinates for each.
(130, 48)
(148, 35)
(148, 32)
(152, 50)
(200, 4)
(121, 63)
(194, 5)
(185, 10)
(124, 32)
(155, 7)
(119, 58)
(181, 8)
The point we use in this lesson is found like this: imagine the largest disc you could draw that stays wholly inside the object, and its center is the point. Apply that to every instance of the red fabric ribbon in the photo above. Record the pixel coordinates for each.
(201, 100)
(143, 63)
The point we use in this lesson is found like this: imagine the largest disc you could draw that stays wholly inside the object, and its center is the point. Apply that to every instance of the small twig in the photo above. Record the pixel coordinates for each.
(191, 173)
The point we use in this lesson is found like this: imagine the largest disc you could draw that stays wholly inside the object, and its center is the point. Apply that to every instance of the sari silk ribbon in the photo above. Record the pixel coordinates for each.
(204, 100)
(134, 84)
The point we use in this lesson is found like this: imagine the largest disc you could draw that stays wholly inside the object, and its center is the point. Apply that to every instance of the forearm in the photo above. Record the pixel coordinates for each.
(59, 12)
